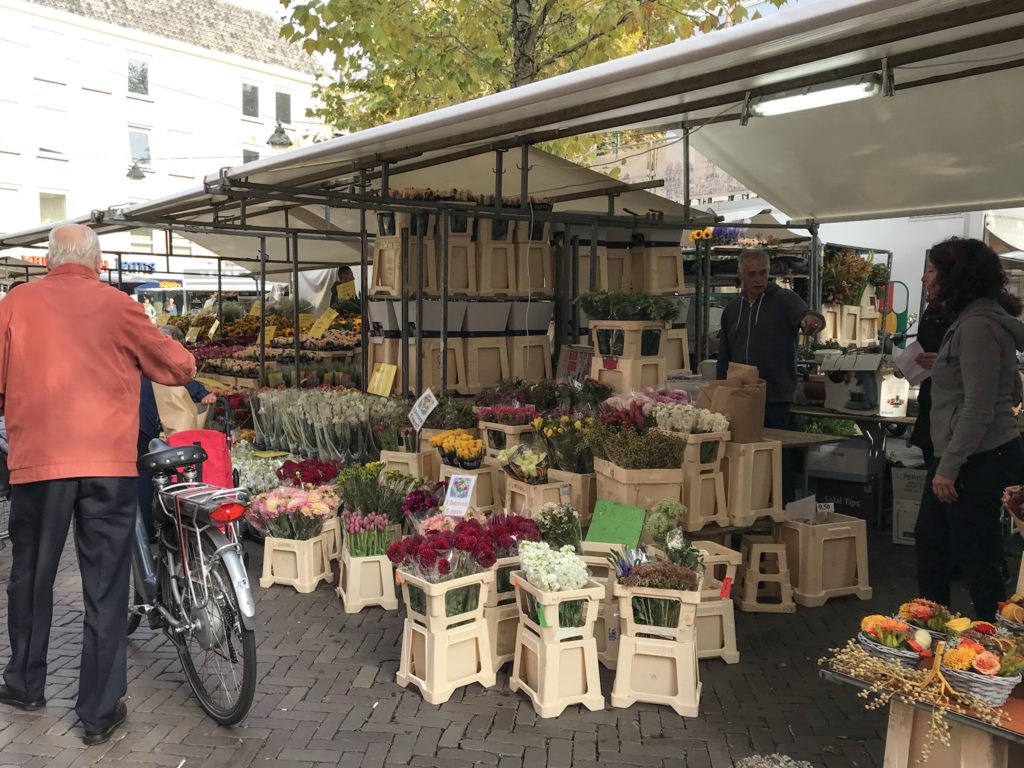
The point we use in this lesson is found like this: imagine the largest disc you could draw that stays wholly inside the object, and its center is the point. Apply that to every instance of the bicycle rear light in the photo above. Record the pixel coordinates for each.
(227, 512)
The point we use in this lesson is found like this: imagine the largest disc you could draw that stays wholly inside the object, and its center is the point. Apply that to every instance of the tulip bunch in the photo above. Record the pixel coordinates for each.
(365, 535)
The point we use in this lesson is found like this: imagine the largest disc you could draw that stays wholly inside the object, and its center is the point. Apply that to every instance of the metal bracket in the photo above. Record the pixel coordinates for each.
(888, 79)
(745, 112)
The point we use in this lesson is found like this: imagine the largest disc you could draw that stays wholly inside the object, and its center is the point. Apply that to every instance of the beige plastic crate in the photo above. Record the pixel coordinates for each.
(617, 269)
(496, 268)
(298, 564)
(637, 487)
(462, 277)
(582, 491)
(630, 333)
(658, 672)
(720, 564)
(497, 437)
(675, 344)
(658, 269)
(753, 482)
(535, 602)
(526, 499)
(625, 376)
(704, 452)
(484, 497)
(502, 624)
(534, 268)
(366, 581)
(530, 357)
(457, 377)
(849, 324)
(486, 361)
(504, 566)
(681, 632)
(424, 464)
(608, 627)
(440, 663)
(716, 631)
(704, 498)
(764, 585)
(828, 559)
(331, 532)
(434, 616)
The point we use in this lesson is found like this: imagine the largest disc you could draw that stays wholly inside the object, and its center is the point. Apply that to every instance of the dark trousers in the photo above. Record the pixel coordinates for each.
(104, 512)
(968, 532)
(776, 416)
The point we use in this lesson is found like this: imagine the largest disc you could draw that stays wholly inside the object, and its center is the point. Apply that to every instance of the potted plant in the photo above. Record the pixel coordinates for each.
(445, 578)
(627, 324)
(657, 659)
(556, 653)
(365, 576)
(291, 521)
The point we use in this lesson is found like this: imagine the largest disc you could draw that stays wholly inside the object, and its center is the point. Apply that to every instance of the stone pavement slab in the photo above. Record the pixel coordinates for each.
(326, 697)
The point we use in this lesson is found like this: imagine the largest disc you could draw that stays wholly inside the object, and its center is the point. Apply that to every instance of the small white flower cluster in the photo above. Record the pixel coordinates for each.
(256, 474)
(553, 570)
(688, 419)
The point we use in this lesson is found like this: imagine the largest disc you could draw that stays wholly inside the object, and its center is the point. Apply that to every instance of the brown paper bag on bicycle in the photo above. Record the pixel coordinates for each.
(177, 411)
(741, 397)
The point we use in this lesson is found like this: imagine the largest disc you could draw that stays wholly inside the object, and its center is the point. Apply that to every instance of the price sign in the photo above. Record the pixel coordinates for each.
(268, 333)
(322, 324)
(824, 510)
(422, 409)
(346, 290)
(254, 310)
(210, 383)
(193, 333)
(382, 379)
(460, 493)
(306, 319)
(269, 454)
(162, 319)
(213, 329)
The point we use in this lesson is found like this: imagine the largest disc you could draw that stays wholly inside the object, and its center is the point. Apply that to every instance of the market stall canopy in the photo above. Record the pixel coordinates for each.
(13, 268)
(1008, 226)
(949, 139)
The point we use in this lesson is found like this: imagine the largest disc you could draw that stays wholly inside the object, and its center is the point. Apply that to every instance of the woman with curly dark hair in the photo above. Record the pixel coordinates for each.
(975, 386)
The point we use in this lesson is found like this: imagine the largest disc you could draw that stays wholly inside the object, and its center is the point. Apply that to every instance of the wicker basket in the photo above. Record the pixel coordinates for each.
(1010, 626)
(994, 690)
(903, 657)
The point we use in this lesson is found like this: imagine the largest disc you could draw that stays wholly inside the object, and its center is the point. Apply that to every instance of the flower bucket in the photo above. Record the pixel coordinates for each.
(503, 593)
(637, 487)
(301, 564)
(630, 339)
(366, 581)
(498, 437)
(332, 537)
(582, 491)
(445, 604)
(661, 613)
(704, 452)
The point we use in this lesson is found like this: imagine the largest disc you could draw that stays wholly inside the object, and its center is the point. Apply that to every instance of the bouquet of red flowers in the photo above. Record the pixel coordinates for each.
(423, 503)
(506, 531)
(308, 472)
(509, 415)
(445, 555)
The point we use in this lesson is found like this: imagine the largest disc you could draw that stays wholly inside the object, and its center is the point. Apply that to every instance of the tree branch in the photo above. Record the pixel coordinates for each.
(584, 42)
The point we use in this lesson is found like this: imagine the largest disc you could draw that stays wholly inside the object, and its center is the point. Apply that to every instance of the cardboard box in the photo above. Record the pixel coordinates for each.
(908, 484)
(864, 384)
(904, 518)
(857, 499)
(845, 460)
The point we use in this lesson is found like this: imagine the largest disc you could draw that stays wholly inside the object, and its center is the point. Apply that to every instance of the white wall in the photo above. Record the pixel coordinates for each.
(66, 89)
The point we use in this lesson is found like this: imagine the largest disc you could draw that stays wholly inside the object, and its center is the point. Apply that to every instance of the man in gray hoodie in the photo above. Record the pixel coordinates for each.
(760, 327)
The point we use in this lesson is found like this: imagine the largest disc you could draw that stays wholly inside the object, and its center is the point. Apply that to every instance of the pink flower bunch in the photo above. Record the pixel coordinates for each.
(308, 472)
(437, 523)
(365, 535)
(446, 554)
(293, 513)
(356, 522)
(509, 415)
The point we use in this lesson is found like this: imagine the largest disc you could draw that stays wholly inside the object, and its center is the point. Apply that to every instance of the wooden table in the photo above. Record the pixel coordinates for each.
(973, 743)
(802, 441)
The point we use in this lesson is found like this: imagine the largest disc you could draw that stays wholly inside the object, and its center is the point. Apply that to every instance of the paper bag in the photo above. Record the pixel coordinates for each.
(176, 409)
(741, 397)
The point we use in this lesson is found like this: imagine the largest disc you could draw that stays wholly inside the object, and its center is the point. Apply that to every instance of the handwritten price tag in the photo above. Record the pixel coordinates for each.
(322, 324)
(162, 319)
(213, 329)
(193, 333)
(347, 290)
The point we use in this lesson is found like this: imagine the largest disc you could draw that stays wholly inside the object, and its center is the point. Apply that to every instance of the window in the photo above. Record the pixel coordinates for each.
(250, 100)
(53, 207)
(284, 108)
(180, 246)
(138, 142)
(142, 241)
(138, 77)
(248, 155)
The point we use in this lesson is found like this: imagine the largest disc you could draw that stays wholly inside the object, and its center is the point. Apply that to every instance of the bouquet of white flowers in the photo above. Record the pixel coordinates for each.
(554, 570)
(688, 419)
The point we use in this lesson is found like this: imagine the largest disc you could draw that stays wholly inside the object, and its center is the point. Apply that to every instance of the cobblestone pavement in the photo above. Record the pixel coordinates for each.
(326, 697)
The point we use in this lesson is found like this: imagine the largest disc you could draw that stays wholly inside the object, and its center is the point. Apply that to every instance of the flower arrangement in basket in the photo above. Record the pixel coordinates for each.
(560, 526)
(984, 664)
(366, 535)
(292, 513)
(554, 570)
(308, 472)
(562, 433)
(935, 618)
(1011, 614)
(633, 569)
(524, 464)
(894, 640)
(459, 449)
(509, 415)
(445, 556)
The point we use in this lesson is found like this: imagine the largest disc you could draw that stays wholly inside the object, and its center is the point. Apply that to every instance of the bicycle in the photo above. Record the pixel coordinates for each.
(194, 588)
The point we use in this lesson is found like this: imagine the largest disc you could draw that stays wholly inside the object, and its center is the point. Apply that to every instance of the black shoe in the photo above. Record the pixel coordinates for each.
(6, 697)
(92, 738)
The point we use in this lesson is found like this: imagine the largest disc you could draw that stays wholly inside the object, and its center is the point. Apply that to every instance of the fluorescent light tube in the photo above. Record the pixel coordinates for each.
(814, 97)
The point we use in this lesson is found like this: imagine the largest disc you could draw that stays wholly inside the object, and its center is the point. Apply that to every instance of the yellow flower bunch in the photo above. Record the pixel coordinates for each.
(702, 234)
(870, 622)
(959, 658)
(459, 443)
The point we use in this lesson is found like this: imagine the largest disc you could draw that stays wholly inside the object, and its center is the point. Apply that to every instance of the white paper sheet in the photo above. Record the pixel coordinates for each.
(906, 362)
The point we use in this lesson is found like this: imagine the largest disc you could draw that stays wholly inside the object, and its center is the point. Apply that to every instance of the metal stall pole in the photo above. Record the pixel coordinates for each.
(263, 310)
(295, 302)
(560, 275)
(419, 310)
(403, 354)
(220, 296)
(445, 224)
(814, 269)
(119, 282)
(592, 277)
(686, 174)
(574, 280)
(364, 301)
(705, 309)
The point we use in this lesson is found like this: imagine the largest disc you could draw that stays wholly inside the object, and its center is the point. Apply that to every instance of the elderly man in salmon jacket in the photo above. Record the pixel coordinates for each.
(71, 349)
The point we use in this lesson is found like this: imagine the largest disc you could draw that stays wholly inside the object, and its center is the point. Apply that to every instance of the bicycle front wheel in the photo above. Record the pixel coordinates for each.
(218, 653)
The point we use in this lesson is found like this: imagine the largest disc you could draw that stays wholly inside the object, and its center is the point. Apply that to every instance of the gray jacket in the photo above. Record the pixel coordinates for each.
(764, 334)
(975, 384)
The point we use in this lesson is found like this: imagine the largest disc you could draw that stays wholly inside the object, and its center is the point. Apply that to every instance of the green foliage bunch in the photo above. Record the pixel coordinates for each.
(622, 305)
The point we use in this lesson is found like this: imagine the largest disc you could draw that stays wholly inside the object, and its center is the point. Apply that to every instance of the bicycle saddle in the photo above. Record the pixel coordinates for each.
(164, 456)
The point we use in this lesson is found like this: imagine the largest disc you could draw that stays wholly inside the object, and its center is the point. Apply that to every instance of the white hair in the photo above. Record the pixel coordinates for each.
(754, 253)
(73, 244)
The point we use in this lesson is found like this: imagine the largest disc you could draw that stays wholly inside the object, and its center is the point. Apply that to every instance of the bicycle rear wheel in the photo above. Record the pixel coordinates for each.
(134, 613)
(219, 653)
